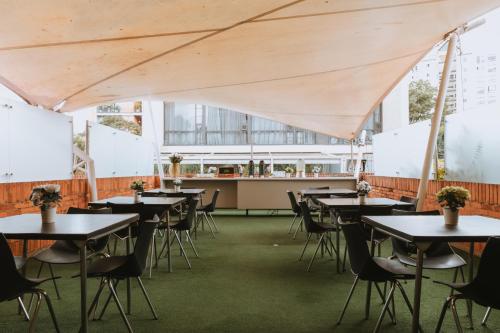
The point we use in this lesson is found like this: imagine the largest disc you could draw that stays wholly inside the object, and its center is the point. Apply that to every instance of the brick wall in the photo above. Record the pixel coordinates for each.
(75, 192)
(485, 198)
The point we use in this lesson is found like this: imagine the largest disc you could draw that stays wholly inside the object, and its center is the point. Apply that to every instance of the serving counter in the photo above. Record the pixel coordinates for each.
(258, 193)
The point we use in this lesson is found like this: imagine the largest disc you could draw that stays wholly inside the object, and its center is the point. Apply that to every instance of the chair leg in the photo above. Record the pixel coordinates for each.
(305, 246)
(389, 299)
(51, 310)
(152, 254)
(182, 249)
(155, 316)
(23, 308)
(107, 300)
(315, 252)
(345, 258)
(301, 221)
(356, 279)
(292, 224)
(54, 281)
(486, 315)
(442, 314)
(34, 316)
(33, 295)
(209, 225)
(407, 301)
(455, 314)
(190, 241)
(119, 306)
(95, 301)
(213, 222)
(392, 313)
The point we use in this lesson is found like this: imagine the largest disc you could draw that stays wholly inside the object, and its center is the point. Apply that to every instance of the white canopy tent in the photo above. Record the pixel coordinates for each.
(317, 64)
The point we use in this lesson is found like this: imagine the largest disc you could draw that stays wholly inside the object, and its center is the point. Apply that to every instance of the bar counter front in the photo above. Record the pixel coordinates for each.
(258, 193)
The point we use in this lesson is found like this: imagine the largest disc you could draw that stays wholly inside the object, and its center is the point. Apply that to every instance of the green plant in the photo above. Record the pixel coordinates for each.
(289, 170)
(176, 158)
(453, 197)
(138, 185)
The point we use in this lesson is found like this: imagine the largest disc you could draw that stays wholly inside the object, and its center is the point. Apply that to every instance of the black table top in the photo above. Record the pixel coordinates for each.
(355, 202)
(190, 191)
(432, 228)
(148, 201)
(67, 226)
(331, 191)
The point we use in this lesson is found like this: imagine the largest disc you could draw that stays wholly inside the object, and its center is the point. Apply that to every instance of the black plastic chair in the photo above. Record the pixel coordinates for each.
(13, 286)
(483, 290)
(439, 255)
(316, 228)
(64, 252)
(295, 208)
(373, 269)
(206, 211)
(375, 236)
(411, 200)
(185, 224)
(114, 269)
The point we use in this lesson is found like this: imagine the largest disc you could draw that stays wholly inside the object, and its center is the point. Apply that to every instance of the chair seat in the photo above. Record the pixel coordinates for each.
(57, 256)
(116, 267)
(440, 262)
(327, 226)
(393, 269)
(475, 292)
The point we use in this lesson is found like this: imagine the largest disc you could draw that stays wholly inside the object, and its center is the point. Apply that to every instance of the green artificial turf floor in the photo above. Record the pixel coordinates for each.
(248, 279)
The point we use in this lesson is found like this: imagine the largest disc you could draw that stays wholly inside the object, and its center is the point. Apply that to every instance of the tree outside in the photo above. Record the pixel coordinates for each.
(121, 123)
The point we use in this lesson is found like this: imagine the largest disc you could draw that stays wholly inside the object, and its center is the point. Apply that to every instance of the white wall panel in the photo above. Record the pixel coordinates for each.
(119, 154)
(400, 152)
(36, 144)
(471, 146)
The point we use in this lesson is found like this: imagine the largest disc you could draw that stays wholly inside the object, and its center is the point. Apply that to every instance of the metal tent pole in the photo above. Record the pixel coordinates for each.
(156, 145)
(436, 120)
(361, 144)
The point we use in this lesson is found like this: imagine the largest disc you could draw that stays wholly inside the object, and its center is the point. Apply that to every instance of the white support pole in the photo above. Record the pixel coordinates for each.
(157, 145)
(436, 120)
(361, 145)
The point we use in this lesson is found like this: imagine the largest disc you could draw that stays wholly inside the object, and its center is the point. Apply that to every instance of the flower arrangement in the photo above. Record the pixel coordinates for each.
(316, 169)
(363, 187)
(176, 158)
(212, 169)
(289, 170)
(46, 196)
(138, 185)
(177, 182)
(453, 197)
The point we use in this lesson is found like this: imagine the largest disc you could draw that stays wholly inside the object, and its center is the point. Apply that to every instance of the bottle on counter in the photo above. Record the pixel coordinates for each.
(251, 168)
(261, 169)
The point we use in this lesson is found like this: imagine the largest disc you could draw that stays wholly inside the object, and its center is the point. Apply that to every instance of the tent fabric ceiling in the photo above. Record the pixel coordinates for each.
(317, 64)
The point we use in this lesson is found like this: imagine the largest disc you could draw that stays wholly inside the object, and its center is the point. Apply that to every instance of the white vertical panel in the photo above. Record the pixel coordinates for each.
(119, 154)
(401, 152)
(4, 142)
(41, 144)
(471, 146)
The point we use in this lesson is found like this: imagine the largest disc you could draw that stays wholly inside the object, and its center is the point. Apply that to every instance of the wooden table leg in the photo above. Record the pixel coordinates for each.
(83, 287)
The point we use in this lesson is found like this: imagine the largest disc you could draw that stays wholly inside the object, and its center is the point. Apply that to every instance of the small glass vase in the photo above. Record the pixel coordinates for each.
(48, 215)
(177, 188)
(316, 175)
(451, 216)
(362, 199)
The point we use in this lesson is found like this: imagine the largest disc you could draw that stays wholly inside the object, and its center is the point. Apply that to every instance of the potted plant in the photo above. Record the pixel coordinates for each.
(316, 170)
(175, 164)
(46, 197)
(363, 188)
(138, 187)
(452, 198)
(288, 172)
(212, 171)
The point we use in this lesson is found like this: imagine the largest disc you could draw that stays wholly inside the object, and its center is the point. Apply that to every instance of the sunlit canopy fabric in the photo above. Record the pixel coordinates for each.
(317, 64)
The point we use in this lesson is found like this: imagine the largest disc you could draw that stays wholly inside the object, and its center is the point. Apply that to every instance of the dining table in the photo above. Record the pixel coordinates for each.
(78, 228)
(424, 230)
(322, 193)
(353, 204)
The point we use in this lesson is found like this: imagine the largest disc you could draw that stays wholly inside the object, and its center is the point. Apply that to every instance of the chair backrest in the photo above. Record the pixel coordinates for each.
(76, 210)
(488, 273)
(375, 210)
(137, 208)
(411, 200)
(143, 242)
(10, 276)
(293, 202)
(191, 212)
(359, 254)
(309, 223)
(214, 199)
